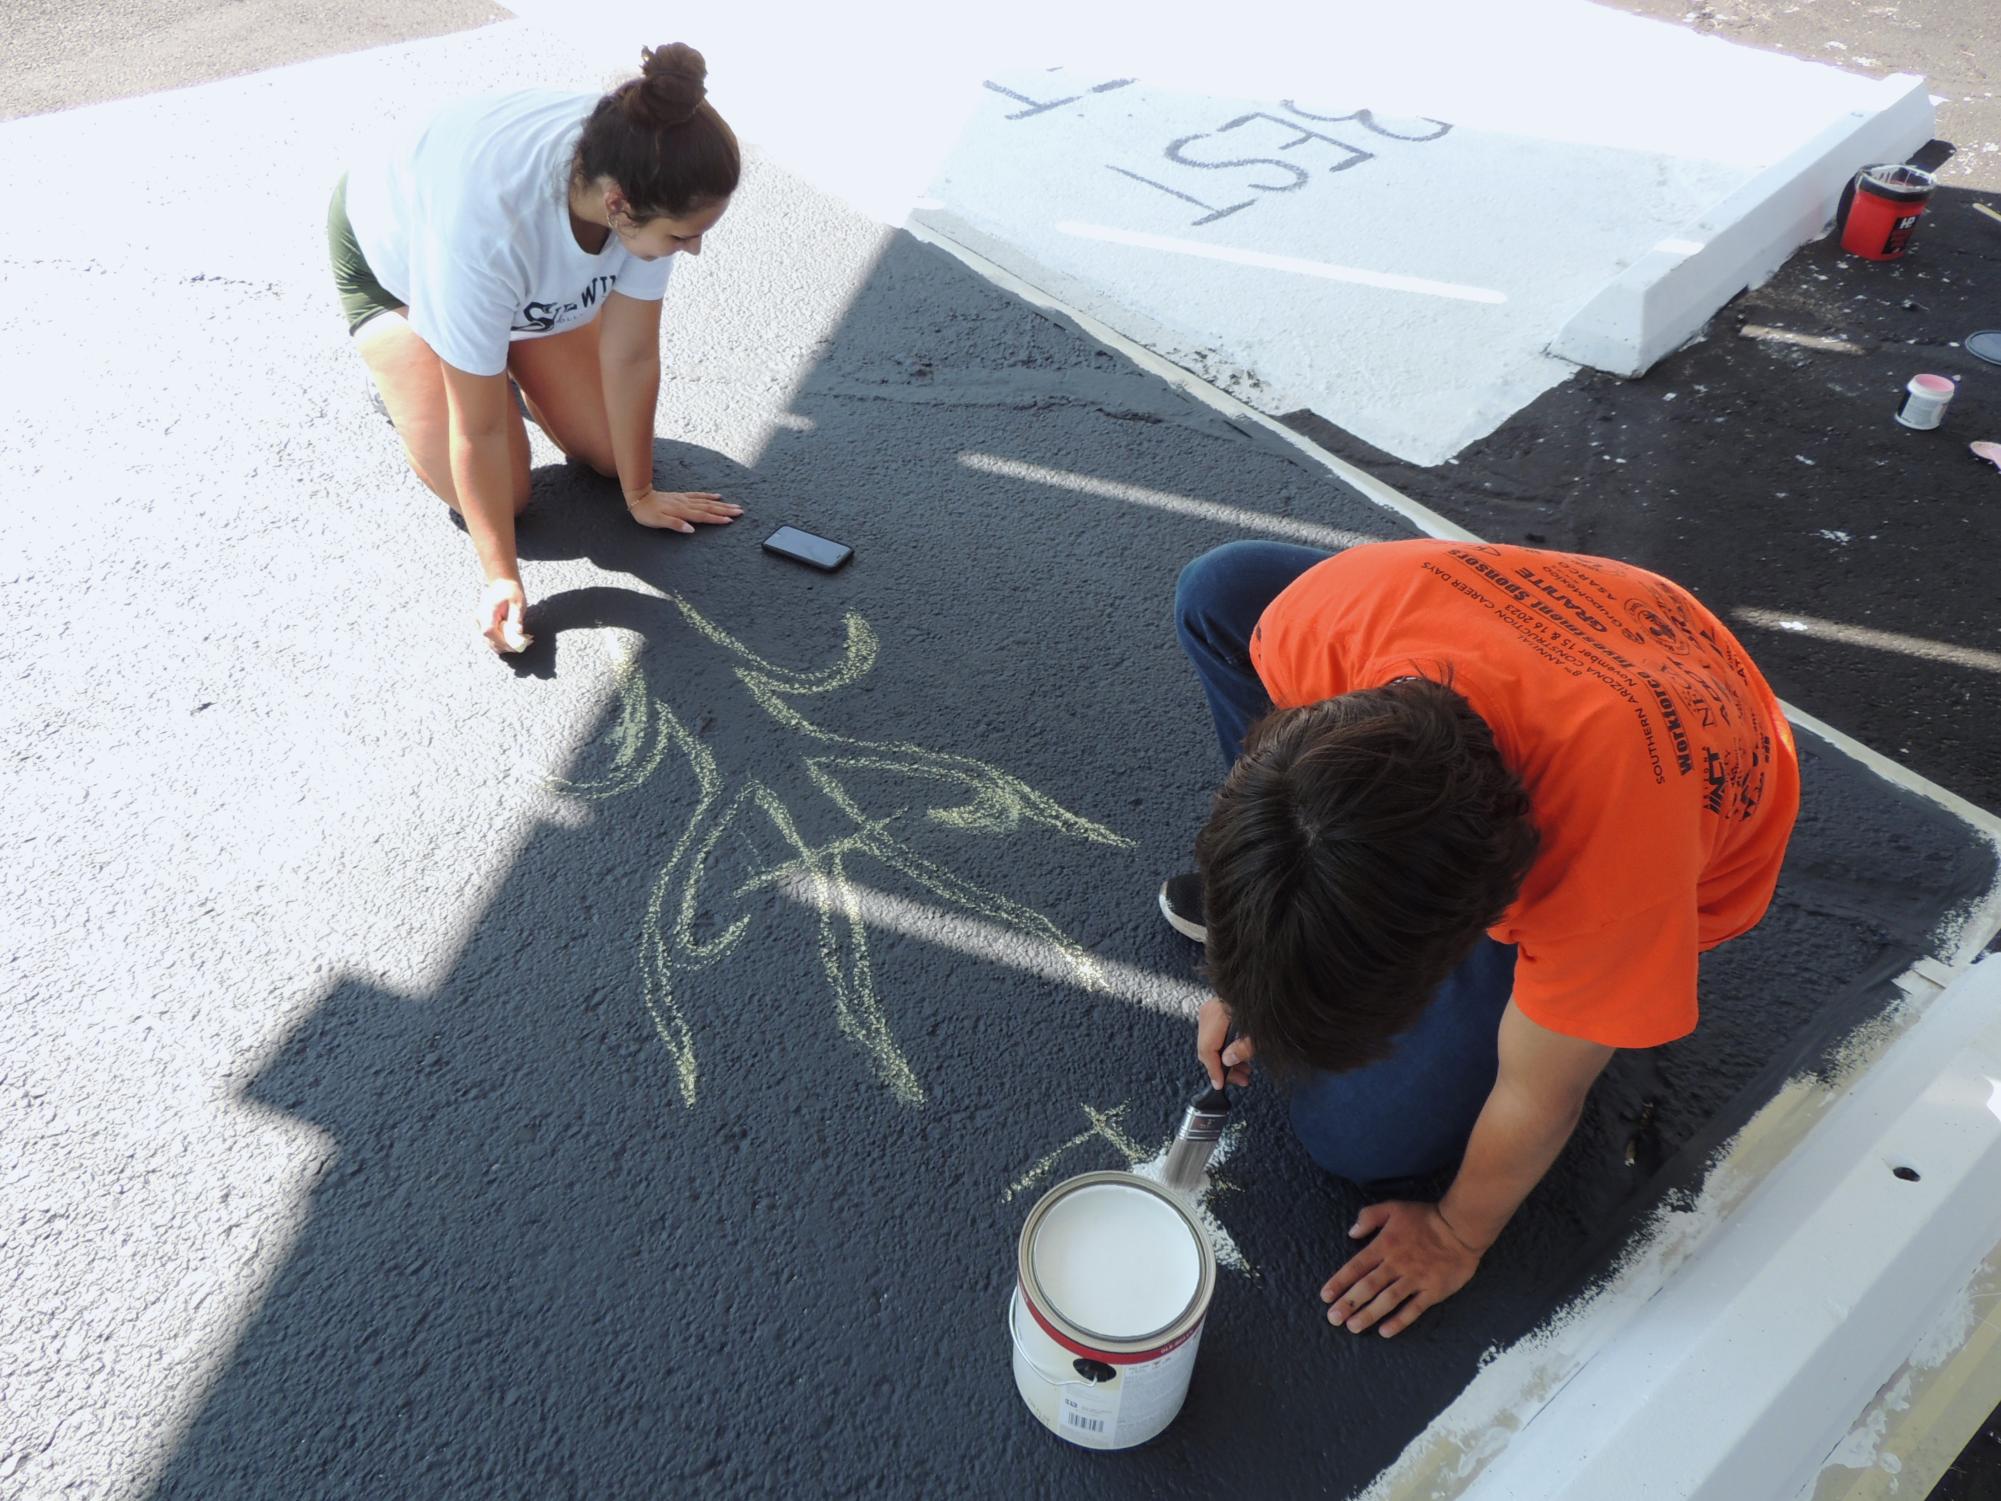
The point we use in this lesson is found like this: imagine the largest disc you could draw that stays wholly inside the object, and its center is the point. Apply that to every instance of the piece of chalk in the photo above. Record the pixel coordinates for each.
(514, 638)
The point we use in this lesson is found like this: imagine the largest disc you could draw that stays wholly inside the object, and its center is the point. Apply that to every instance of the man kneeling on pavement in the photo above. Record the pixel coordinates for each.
(1485, 808)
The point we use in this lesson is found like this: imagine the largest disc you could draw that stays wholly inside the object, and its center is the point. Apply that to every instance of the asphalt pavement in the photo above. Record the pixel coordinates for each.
(65, 56)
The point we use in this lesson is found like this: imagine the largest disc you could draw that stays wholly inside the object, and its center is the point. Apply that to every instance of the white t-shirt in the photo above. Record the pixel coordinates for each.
(470, 225)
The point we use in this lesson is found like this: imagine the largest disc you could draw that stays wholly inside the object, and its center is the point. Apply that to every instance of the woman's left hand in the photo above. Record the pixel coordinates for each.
(676, 510)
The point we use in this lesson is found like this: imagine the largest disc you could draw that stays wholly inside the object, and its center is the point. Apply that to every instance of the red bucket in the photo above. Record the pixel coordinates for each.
(1885, 210)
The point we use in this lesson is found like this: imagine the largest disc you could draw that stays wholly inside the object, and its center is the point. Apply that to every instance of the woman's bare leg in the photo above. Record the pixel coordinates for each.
(564, 388)
(411, 379)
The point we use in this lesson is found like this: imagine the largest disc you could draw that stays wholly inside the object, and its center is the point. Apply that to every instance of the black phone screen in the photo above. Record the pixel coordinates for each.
(819, 552)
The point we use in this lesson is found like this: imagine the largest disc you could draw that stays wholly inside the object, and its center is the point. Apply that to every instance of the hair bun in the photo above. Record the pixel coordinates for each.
(672, 84)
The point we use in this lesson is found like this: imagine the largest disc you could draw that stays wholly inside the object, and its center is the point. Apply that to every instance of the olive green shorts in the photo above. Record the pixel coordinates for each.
(361, 295)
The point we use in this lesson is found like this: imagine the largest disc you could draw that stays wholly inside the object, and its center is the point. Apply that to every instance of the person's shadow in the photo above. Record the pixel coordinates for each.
(575, 513)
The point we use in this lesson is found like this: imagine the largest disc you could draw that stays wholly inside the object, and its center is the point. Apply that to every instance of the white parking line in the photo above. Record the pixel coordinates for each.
(1264, 261)
(1164, 500)
(1921, 647)
(996, 944)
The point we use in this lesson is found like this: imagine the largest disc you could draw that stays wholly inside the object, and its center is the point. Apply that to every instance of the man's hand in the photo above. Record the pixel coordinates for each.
(501, 610)
(1212, 1027)
(677, 510)
(1414, 1261)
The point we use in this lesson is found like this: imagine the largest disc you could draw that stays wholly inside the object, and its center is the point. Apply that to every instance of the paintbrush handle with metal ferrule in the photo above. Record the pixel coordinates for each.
(1202, 1126)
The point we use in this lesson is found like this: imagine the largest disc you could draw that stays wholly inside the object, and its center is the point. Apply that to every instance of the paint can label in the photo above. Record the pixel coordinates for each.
(1924, 409)
(1094, 1404)
(1090, 1422)
(1150, 1395)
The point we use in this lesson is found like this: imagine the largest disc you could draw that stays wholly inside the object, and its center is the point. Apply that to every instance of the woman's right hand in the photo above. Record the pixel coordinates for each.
(501, 610)
(1212, 1030)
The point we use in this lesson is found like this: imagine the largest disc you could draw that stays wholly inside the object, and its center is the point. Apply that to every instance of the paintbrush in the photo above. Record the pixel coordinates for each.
(1201, 1126)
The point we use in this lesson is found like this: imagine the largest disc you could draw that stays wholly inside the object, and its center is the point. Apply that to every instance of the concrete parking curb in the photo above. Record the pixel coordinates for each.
(1740, 1375)
(1666, 296)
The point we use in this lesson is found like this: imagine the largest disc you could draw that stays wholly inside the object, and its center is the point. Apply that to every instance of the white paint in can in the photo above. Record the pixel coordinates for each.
(1113, 1281)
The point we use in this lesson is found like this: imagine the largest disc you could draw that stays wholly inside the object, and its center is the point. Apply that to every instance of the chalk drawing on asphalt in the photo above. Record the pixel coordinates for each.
(1108, 1127)
(970, 796)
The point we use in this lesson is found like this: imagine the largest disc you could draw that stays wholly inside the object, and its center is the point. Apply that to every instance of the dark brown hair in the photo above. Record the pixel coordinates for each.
(660, 140)
(1352, 858)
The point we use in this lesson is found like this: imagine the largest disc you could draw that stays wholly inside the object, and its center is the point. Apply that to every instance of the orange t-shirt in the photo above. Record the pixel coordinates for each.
(1661, 774)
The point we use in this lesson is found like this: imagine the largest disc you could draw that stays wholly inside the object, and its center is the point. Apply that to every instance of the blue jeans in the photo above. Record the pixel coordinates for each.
(1409, 1115)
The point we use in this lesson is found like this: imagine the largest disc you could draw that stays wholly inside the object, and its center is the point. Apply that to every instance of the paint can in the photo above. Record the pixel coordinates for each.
(1884, 210)
(1925, 401)
(1112, 1283)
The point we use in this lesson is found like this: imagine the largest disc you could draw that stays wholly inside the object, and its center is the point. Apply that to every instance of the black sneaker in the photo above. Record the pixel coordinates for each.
(1181, 905)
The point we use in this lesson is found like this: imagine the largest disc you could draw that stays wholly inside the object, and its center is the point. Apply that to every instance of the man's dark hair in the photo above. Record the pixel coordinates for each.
(1353, 857)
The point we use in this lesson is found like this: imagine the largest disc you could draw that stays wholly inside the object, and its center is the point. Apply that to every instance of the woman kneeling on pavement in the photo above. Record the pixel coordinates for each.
(475, 259)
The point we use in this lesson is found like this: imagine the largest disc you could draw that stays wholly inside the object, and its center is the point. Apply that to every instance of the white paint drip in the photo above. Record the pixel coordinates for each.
(1947, 1333)
(1942, 1339)
(1387, 281)
(1861, 1450)
(1329, 537)
(1196, 1201)
(1803, 341)
(1835, 536)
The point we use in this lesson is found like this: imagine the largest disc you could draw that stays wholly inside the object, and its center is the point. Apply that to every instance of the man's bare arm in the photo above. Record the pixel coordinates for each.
(1536, 1100)
(1422, 1254)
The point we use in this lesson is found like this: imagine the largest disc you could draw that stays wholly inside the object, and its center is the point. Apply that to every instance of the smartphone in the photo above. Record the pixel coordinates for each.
(804, 547)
